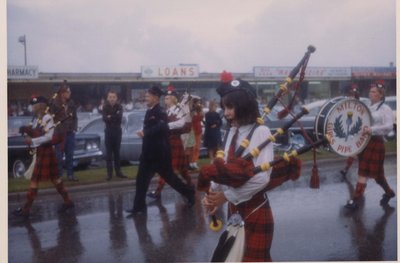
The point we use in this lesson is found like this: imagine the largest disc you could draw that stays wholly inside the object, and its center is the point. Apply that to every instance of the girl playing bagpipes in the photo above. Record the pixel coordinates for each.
(39, 137)
(233, 179)
(238, 99)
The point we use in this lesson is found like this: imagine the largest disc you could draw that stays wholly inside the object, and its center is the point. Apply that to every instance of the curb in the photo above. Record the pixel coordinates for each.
(20, 196)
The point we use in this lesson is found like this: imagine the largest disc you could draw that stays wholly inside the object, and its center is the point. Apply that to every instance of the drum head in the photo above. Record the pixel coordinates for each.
(344, 120)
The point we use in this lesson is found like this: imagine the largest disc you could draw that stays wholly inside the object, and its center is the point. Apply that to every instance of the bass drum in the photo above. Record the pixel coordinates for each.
(344, 119)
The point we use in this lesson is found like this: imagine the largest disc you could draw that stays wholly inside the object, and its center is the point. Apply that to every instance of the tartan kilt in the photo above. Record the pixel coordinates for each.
(371, 159)
(179, 161)
(46, 164)
(259, 228)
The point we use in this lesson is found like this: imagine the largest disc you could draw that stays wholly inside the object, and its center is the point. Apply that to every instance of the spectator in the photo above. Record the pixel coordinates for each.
(64, 111)
(112, 117)
(197, 118)
(212, 133)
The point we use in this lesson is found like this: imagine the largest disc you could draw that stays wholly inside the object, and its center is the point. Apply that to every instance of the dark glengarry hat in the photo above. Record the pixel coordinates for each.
(228, 84)
(156, 91)
(38, 99)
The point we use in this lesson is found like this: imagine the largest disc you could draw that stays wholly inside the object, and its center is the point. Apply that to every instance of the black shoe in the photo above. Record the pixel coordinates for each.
(351, 204)
(135, 211)
(120, 175)
(20, 213)
(386, 197)
(108, 178)
(154, 195)
(65, 207)
(73, 179)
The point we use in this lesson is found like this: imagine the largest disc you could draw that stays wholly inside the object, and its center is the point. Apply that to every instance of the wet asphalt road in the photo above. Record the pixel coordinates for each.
(310, 225)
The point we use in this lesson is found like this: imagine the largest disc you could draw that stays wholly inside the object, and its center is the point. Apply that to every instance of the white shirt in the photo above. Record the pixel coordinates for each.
(258, 181)
(175, 111)
(382, 119)
(47, 120)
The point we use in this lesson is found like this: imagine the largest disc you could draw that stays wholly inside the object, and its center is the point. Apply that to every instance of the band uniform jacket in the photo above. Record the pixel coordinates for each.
(155, 145)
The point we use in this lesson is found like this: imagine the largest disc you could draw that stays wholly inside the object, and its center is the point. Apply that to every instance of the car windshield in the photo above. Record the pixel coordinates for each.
(135, 122)
(14, 123)
(94, 126)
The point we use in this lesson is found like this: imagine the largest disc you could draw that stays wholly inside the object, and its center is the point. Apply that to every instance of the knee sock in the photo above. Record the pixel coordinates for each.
(30, 197)
(359, 191)
(63, 192)
(383, 183)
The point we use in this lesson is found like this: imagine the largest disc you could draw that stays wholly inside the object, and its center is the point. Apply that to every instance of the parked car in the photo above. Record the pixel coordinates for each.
(19, 158)
(294, 137)
(131, 144)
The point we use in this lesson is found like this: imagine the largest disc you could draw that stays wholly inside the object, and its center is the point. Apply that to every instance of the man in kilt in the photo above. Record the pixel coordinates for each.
(177, 126)
(246, 197)
(39, 137)
(371, 159)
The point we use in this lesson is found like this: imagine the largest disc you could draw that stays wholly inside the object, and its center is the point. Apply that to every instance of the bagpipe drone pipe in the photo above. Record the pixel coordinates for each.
(237, 171)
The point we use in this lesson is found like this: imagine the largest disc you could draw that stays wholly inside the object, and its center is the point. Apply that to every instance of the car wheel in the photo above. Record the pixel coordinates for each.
(19, 168)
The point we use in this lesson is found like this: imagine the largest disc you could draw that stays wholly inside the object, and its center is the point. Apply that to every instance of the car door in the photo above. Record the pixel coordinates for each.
(131, 145)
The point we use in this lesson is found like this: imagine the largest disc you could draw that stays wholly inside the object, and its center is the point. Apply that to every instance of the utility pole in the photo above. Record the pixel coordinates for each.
(22, 40)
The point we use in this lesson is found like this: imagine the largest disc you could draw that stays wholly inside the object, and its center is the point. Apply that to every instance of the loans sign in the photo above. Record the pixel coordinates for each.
(180, 71)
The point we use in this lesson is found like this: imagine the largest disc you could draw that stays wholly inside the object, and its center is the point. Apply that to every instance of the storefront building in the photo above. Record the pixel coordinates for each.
(88, 89)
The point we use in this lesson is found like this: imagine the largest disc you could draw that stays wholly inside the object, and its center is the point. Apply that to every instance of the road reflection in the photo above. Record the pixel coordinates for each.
(117, 230)
(368, 241)
(175, 228)
(68, 247)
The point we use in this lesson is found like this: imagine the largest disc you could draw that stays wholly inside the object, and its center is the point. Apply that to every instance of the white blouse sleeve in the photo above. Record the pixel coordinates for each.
(36, 142)
(385, 123)
(258, 181)
(179, 123)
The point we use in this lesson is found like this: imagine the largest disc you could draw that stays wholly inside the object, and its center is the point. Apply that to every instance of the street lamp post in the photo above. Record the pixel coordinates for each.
(22, 40)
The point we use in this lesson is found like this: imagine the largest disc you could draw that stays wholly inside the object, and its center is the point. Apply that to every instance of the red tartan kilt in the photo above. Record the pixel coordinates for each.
(46, 164)
(259, 228)
(371, 159)
(179, 162)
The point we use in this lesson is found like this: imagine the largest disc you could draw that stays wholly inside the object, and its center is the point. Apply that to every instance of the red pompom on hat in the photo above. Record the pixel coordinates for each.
(226, 77)
(38, 99)
(171, 91)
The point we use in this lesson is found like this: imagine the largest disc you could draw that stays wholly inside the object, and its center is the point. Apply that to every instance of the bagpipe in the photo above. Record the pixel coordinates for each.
(238, 170)
(283, 88)
(39, 130)
(183, 110)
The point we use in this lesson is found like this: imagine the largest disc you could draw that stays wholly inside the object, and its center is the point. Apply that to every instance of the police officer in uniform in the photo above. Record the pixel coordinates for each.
(156, 154)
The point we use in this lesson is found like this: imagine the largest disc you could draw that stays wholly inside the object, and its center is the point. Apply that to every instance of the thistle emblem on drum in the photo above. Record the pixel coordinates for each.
(349, 129)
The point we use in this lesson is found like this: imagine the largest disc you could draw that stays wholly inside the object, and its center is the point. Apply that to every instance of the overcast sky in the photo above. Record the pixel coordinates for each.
(234, 35)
